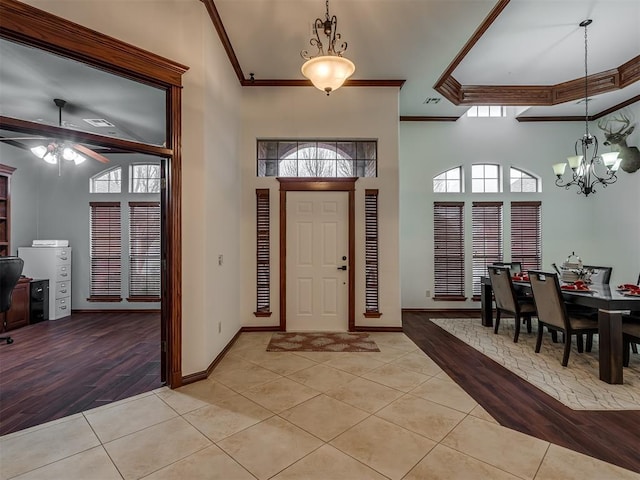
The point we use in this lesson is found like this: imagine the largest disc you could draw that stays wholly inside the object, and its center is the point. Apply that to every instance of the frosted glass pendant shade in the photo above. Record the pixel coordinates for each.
(328, 72)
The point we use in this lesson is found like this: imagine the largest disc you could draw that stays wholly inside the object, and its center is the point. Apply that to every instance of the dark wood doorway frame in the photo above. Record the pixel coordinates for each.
(317, 185)
(33, 27)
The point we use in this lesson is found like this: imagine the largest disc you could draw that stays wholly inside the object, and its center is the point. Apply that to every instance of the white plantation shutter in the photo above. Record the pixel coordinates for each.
(105, 251)
(144, 251)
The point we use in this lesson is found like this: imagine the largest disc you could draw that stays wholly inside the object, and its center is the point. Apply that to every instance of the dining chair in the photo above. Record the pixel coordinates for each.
(600, 275)
(630, 337)
(507, 301)
(552, 313)
(514, 267)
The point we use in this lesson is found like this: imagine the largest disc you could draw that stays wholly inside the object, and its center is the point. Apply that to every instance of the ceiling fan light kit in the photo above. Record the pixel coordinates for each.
(583, 164)
(55, 151)
(327, 71)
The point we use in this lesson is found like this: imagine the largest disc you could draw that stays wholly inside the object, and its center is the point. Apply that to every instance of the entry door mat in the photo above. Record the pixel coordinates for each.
(321, 342)
(577, 386)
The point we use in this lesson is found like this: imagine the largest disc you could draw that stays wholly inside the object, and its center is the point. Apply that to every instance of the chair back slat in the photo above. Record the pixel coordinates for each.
(600, 275)
(514, 267)
(503, 288)
(548, 298)
(10, 271)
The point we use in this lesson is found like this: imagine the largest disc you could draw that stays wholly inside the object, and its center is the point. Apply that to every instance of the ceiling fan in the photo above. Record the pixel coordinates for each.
(55, 150)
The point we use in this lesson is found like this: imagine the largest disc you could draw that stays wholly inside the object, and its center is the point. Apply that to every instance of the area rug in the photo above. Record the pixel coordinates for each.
(321, 342)
(577, 385)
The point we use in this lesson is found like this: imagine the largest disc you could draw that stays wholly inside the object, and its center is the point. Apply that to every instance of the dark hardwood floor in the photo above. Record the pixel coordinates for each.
(62, 367)
(612, 436)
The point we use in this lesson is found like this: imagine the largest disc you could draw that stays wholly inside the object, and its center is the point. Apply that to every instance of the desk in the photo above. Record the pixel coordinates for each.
(609, 303)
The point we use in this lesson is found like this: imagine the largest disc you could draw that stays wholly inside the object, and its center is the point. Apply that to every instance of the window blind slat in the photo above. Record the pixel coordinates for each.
(526, 235)
(263, 269)
(105, 250)
(486, 220)
(371, 252)
(144, 250)
(448, 249)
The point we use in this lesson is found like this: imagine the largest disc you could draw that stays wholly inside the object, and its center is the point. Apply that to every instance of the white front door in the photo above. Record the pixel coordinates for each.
(317, 248)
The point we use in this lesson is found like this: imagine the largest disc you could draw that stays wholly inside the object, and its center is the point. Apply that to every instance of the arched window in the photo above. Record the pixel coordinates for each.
(485, 178)
(449, 181)
(521, 181)
(325, 158)
(107, 181)
(145, 178)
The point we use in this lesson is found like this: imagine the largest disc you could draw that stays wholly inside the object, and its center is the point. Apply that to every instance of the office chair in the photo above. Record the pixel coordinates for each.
(10, 271)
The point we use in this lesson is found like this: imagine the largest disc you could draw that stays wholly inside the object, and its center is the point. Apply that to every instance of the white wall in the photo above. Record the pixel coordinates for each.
(306, 113)
(182, 31)
(604, 229)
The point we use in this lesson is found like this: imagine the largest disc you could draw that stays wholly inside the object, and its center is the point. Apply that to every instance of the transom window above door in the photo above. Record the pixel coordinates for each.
(317, 158)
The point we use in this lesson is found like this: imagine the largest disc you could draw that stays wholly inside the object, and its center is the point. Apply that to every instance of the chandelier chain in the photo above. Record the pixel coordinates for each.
(586, 83)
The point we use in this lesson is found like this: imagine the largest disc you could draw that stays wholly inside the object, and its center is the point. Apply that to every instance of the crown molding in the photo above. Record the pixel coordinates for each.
(276, 82)
(480, 31)
(412, 118)
(603, 113)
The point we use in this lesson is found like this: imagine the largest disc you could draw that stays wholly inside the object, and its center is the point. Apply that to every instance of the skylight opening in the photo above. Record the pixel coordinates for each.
(487, 111)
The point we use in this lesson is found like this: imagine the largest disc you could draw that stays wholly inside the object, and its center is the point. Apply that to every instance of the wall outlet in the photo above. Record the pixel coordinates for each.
(219, 327)
(428, 293)
(220, 259)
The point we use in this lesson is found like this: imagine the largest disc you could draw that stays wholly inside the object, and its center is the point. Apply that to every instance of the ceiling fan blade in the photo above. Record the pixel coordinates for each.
(13, 142)
(91, 153)
(4, 139)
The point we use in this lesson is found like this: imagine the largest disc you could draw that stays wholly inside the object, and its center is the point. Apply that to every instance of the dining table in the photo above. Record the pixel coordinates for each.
(611, 304)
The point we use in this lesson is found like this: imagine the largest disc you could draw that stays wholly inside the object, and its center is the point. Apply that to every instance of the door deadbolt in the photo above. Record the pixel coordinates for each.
(344, 257)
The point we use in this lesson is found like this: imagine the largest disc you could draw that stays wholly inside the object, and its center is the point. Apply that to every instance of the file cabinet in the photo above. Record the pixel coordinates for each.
(53, 264)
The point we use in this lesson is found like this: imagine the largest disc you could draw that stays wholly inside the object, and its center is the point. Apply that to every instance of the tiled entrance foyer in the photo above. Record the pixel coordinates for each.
(344, 416)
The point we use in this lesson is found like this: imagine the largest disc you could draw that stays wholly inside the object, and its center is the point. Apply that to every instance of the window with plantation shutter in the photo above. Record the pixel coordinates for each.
(372, 308)
(144, 252)
(526, 236)
(486, 222)
(448, 247)
(263, 273)
(105, 252)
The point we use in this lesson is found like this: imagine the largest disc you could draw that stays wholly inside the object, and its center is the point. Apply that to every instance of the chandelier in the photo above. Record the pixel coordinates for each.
(584, 163)
(327, 71)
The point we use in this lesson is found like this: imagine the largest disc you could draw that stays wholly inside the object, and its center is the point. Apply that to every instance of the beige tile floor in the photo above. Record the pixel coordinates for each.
(284, 416)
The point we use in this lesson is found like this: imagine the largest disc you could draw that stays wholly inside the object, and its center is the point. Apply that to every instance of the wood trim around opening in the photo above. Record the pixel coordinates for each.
(310, 184)
(37, 28)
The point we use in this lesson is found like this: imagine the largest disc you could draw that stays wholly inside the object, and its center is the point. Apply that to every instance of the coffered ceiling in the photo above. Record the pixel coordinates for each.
(501, 44)
(454, 52)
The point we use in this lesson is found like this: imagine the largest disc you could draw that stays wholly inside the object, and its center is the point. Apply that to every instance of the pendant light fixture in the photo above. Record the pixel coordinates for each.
(327, 71)
(585, 161)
